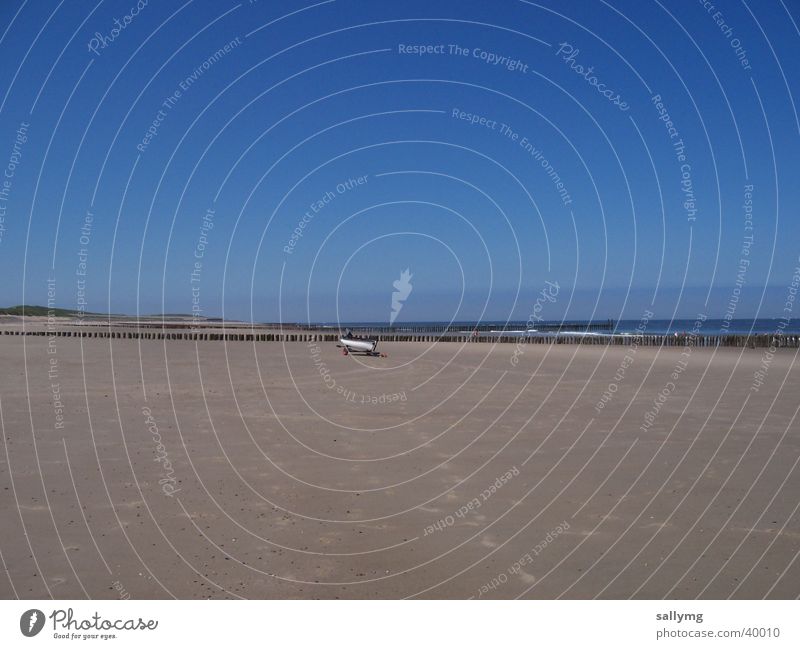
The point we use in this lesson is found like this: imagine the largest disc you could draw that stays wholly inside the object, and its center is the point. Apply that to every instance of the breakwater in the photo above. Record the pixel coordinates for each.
(460, 327)
(648, 340)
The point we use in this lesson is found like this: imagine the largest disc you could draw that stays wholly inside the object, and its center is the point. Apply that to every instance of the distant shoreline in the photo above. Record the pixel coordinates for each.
(492, 328)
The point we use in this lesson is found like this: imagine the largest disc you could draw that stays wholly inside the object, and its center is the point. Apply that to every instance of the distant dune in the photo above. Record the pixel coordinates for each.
(35, 310)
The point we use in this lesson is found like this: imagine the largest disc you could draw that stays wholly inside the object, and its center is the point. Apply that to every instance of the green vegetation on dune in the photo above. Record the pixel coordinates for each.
(35, 310)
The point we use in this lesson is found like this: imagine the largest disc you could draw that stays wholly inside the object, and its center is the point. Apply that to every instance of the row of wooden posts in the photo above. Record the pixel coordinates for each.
(455, 328)
(647, 340)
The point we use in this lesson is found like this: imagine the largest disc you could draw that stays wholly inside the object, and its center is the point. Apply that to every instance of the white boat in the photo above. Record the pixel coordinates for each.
(351, 343)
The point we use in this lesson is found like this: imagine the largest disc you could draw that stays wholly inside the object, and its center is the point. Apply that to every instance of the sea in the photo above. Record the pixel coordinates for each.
(579, 327)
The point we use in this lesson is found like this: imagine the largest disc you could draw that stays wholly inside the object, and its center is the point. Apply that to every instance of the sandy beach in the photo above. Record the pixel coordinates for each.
(158, 469)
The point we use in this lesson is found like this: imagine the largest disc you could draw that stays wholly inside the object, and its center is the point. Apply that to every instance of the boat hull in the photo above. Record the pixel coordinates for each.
(359, 344)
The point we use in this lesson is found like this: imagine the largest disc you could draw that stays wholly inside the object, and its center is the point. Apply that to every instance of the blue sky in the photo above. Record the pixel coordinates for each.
(308, 98)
